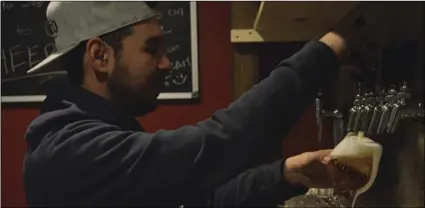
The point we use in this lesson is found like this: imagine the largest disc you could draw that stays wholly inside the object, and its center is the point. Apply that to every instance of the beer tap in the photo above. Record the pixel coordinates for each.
(404, 94)
(319, 116)
(393, 100)
(367, 112)
(377, 111)
(401, 100)
(359, 113)
(337, 124)
(338, 121)
(352, 114)
(385, 116)
(355, 111)
(338, 127)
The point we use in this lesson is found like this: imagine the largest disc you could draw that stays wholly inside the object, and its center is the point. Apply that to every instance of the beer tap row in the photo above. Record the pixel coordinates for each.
(380, 111)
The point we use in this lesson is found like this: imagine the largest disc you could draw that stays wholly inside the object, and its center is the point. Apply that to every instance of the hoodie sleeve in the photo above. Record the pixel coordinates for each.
(203, 157)
(262, 186)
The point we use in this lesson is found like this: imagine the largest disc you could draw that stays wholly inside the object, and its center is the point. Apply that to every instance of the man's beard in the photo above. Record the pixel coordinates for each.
(135, 101)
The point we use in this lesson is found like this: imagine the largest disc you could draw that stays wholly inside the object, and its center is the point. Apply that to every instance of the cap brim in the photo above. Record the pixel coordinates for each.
(51, 58)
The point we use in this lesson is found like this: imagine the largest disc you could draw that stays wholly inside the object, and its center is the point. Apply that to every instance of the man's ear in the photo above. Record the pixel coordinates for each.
(98, 55)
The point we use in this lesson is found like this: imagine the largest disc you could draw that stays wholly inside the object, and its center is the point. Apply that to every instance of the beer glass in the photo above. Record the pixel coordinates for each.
(355, 163)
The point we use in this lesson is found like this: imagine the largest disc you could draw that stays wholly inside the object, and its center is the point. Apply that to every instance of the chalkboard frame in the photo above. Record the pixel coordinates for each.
(194, 58)
(194, 94)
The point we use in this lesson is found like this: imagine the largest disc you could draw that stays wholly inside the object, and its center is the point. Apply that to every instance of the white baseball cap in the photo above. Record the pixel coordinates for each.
(76, 21)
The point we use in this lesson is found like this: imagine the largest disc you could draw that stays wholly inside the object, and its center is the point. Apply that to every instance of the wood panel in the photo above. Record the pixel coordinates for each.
(245, 56)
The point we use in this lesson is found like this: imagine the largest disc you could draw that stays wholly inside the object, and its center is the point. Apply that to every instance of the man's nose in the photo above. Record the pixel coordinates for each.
(164, 63)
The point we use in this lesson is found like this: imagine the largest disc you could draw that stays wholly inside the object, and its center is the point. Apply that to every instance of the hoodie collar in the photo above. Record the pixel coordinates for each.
(90, 103)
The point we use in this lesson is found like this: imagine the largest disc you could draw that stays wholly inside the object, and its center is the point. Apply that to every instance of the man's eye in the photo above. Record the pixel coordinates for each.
(157, 51)
(152, 50)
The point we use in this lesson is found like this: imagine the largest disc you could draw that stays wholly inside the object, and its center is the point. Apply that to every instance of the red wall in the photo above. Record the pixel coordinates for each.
(216, 87)
(215, 82)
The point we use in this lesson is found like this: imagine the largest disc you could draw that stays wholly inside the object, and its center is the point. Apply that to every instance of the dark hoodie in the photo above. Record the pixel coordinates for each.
(84, 152)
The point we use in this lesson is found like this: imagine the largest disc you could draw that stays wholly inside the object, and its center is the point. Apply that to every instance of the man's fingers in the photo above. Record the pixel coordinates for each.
(321, 156)
(326, 160)
(324, 156)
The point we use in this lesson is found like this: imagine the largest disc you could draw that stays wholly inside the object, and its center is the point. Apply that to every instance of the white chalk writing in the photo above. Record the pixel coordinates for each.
(180, 79)
(167, 80)
(24, 57)
(175, 12)
(173, 48)
(23, 31)
(179, 64)
(4, 62)
(32, 53)
(164, 31)
(6, 6)
(14, 53)
(176, 76)
(49, 48)
(33, 4)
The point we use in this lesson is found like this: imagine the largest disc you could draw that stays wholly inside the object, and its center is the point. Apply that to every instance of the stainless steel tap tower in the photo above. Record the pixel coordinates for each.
(380, 112)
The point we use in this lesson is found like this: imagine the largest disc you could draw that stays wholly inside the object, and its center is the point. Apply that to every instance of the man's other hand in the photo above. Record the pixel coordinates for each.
(309, 169)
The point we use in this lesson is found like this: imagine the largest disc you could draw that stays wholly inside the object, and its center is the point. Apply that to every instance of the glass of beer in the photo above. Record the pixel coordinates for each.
(355, 163)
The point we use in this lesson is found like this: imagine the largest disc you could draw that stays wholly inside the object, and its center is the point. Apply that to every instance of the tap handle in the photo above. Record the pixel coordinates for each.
(404, 87)
(357, 100)
(370, 98)
(360, 88)
(380, 96)
(392, 91)
(338, 127)
(391, 94)
(404, 94)
(319, 117)
(374, 99)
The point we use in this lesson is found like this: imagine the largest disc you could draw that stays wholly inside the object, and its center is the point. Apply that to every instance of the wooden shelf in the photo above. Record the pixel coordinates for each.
(291, 21)
(285, 21)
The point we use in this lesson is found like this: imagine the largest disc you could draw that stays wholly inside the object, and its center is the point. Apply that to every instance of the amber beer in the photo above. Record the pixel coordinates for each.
(350, 172)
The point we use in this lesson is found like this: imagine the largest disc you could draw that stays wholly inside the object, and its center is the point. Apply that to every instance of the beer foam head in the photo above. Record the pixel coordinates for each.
(351, 146)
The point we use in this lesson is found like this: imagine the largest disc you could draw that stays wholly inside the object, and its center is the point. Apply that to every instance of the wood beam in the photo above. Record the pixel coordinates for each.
(245, 56)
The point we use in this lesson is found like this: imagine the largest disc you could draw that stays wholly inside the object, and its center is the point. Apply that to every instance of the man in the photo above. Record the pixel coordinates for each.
(86, 149)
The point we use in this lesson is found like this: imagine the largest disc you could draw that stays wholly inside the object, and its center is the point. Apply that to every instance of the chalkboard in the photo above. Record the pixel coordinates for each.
(27, 38)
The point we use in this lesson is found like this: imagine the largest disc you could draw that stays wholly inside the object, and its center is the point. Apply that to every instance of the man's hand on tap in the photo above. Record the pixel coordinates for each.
(314, 170)
(354, 39)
